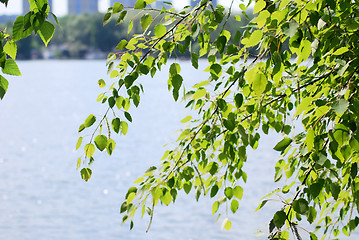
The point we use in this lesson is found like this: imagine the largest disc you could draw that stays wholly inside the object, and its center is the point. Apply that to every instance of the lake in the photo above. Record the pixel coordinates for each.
(42, 195)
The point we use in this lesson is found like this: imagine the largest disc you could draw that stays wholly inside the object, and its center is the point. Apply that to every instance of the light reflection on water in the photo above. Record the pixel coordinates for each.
(41, 193)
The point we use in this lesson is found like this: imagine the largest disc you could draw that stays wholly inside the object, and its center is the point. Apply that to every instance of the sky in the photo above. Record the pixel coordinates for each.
(60, 6)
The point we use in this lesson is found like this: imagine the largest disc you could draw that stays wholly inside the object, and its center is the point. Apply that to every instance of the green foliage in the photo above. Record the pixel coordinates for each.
(301, 73)
(33, 21)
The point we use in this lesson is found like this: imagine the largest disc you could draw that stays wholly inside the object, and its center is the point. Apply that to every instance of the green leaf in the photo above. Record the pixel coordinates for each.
(124, 127)
(259, 83)
(122, 45)
(79, 142)
(130, 197)
(283, 144)
(106, 18)
(237, 37)
(101, 83)
(228, 191)
(3, 86)
(238, 99)
(18, 28)
(216, 70)
(89, 150)
(194, 60)
(199, 93)
(300, 206)
(215, 207)
(4, 2)
(121, 17)
(116, 125)
(290, 28)
(304, 105)
(221, 44)
(234, 205)
(140, 4)
(82, 127)
(90, 121)
(214, 191)
(238, 192)
(260, 5)
(128, 116)
(177, 82)
(279, 219)
(340, 51)
(10, 49)
(264, 202)
(335, 190)
(117, 7)
(111, 144)
(311, 215)
(310, 140)
(46, 32)
(146, 20)
(187, 187)
(341, 106)
(101, 142)
(254, 38)
(186, 119)
(11, 68)
(316, 188)
(160, 30)
(227, 224)
(86, 174)
(166, 198)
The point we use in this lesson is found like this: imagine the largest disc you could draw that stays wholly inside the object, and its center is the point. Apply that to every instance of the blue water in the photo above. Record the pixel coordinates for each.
(42, 195)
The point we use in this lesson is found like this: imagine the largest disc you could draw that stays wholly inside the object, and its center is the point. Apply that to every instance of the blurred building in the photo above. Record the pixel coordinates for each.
(26, 6)
(82, 6)
(125, 3)
(195, 2)
(159, 4)
(131, 3)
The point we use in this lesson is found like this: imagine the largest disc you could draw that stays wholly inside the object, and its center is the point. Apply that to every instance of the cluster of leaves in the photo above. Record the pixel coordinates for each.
(33, 21)
(314, 82)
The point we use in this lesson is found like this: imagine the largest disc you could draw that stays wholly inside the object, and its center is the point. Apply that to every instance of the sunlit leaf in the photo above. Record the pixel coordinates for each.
(283, 144)
(101, 142)
(46, 32)
(86, 174)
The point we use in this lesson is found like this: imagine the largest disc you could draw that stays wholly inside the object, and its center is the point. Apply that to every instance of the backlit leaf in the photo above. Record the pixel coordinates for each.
(10, 49)
(11, 68)
(3, 86)
(46, 32)
(79, 142)
(86, 174)
(186, 119)
(254, 38)
(90, 120)
(160, 30)
(101, 142)
(341, 106)
(234, 205)
(146, 20)
(340, 51)
(228, 191)
(283, 144)
(290, 28)
(259, 6)
(140, 4)
(89, 150)
(238, 192)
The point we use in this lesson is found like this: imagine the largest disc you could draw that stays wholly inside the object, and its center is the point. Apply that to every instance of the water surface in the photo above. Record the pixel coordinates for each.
(42, 195)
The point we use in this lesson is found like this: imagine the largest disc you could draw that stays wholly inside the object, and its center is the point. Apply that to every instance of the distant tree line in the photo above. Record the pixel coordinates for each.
(78, 35)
